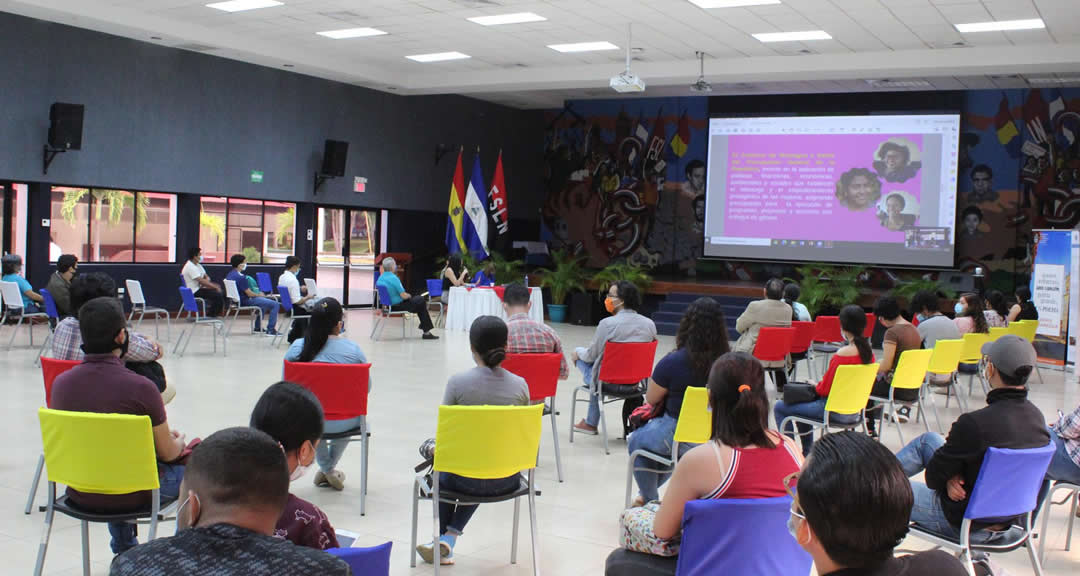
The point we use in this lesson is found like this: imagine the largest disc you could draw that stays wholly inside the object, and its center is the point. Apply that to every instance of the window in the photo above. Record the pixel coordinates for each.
(106, 225)
(264, 232)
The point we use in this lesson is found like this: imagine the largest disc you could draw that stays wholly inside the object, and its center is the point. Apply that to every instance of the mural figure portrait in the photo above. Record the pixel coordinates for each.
(898, 211)
(895, 162)
(972, 219)
(858, 189)
(982, 185)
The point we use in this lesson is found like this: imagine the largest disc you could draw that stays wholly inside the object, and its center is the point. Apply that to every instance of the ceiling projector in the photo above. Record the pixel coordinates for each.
(627, 82)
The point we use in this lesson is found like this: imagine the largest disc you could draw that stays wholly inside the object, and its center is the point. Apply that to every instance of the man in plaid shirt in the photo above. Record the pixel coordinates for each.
(1065, 465)
(528, 336)
(67, 340)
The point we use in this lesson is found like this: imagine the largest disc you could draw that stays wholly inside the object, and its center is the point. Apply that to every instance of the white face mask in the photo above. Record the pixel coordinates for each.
(299, 472)
(243, 266)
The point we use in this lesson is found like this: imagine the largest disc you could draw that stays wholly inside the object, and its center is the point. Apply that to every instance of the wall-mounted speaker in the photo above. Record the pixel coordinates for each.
(334, 155)
(65, 126)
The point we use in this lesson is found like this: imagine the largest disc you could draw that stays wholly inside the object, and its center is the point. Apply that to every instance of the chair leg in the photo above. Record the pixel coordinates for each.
(1032, 554)
(415, 505)
(437, 556)
(532, 525)
(555, 440)
(364, 471)
(896, 422)
(1072, 519)
(14, 331)
(573, 411)
(84, 528)
(514, 533)
(46, 532)
(34, 485)
(629, 480)
(168, 327)
(603, 424)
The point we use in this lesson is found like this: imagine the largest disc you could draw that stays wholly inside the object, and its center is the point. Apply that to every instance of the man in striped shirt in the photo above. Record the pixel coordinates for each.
(527, 336)
(1065, 433)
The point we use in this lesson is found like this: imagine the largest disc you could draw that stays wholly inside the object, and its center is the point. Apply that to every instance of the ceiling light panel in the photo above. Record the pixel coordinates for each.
(242, 5)
(501, 19)
(583, 47)
(793, 36)
(438, 57)
(1002, 25)
(351, 33)
(709, 4)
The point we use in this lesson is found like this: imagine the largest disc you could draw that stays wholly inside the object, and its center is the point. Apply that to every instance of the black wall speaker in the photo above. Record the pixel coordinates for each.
(65, 126)
(334, 155)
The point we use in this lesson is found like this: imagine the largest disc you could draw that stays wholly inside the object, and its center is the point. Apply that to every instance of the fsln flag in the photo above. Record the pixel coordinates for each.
(476, 221)
(455, 212)
(497, 199)
(1007, 132)
(681, 141)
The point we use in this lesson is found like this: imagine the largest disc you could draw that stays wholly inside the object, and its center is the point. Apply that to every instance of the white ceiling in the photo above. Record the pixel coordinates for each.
(872, 39)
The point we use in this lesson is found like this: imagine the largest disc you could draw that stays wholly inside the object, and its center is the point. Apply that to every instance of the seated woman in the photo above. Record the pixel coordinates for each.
(1024, 309)
(969, 314)
(996, 310)
(799, 312)
(856, 351)
(32, 302)
(455, 274)
(322, 342)
(485, 277)
(740, 434)
(486, 384)
(701, 339)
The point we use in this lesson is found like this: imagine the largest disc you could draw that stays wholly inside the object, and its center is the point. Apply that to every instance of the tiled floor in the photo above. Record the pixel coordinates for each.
(577, 519)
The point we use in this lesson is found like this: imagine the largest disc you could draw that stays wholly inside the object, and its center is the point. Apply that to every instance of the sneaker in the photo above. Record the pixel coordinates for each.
(272, 332)
(902, 416)
(320, 479)
(429, 336)
(427, 552)
(584, 428)
(336, 480)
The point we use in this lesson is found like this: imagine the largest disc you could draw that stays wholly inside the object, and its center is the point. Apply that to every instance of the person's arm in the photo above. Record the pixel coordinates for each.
(1068, 426)
(450, 394)
(28, 291)
(745, 320)
(596, 347)
(564, 368)
(293, 353)
(1014, 312)
(951, 459)
(141, 349)
(168, 444)
(888, 351)
(655, 393)
(680, 490)
(205, 282)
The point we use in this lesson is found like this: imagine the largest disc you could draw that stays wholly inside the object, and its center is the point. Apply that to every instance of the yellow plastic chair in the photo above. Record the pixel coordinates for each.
(486, 442)
(848, 396)
(694, 426)
(945, 362)
(1026, 329)
(997, 332)
(910, 374)
(972, 354)
(97, 454)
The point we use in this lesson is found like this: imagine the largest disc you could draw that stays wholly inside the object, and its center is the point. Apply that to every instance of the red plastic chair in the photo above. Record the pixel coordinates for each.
(800, 345)
(624, 366)
(827, 336)
(342, 389)
(541, 373)
(50, 369)
(871, 320)
(773, 344)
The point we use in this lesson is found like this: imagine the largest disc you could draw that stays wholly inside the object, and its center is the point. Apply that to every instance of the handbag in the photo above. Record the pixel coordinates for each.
(636, 532)
(642, 414)
(800, 393)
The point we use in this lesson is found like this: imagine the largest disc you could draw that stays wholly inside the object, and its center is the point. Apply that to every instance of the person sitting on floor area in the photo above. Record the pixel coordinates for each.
(293, 416)
(485, 384)
(1009, 421)
(527, 336)
(1065, 467)
(1024, 309)
(850, 510)
(856, 351)
(701, 339)
(59, 286)
(198, 281)
(769, 312)
(402, 300)
(32, 302)
(900, 336)
(249, 297)
(236, 485)
(322, 342)
(624, 325)
(101, 384)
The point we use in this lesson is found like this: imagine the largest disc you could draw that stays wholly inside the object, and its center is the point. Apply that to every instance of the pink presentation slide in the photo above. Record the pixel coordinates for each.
(835, 188)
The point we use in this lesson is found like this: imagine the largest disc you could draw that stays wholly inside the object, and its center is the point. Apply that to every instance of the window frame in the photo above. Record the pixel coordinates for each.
(89, 200)
(262, 225)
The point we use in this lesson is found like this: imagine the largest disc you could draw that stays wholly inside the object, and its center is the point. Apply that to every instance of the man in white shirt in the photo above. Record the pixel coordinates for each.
(297, 294)
(198, 281)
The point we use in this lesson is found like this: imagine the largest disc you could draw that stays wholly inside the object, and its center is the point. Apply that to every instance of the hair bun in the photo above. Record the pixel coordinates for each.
(494, 357)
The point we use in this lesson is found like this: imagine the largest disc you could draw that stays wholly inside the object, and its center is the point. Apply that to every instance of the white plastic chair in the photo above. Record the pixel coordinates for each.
(233, 294)
(12, 304)
(138, 304)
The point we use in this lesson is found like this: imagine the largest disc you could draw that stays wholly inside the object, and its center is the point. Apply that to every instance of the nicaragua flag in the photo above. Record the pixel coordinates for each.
(476, 221)
(455, 211)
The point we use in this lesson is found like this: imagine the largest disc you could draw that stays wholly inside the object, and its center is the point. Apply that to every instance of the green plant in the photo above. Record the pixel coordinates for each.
(905, 290)
(828, 286)
(286, 223)
(507, 271)
(251, 254)
(216, 225)
(619, 271)
(567, 275)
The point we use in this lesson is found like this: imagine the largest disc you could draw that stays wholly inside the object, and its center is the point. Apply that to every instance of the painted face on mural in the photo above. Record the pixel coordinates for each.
(971, 223)
(860, 191)
(697, 178)
(982, 183)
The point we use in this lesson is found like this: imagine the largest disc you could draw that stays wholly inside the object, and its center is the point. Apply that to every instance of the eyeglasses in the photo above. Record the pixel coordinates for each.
(791, 484)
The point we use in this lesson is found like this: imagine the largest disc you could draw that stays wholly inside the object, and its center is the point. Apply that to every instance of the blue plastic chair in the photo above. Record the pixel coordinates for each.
(265, 285)
(191, 307)
(1008, 486)
(54, 317)
(287, 304)
(200, 302)
(727, 536)
(373, 561)
(434, 290)
(383, 311)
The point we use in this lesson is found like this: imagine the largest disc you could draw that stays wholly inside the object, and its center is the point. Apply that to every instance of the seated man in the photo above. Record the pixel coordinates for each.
(933, 325)
(297, 294)
(1065, 467)
(59, 285)
(236, 485)
(624, 325)
(101, 384)
(952, 465)
(528, 336)
(900, 336)
(770, 312)
(32, 302)
(198, 281)
(249, 297)
(402, 300)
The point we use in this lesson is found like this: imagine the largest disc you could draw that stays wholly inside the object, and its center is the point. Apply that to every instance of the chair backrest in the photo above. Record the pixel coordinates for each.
(50, 304)
(627, 362)
(99, 453)
(342, 389)
(384, 296)
(135, 293)
(1009, 482)
(946, 356)
(231, 292)
(997, 332)
(695, 417)
(827, 329)
(11, 293)
(851, 388)
(540, 371)
(871, 320)
(910, 372)
(312, 287)
(804, 335)
(1025, 329)
(286, 300)
(263, 280)
(972, 349)
(434, 287)
(487, 441)
(187, 298)
(739, 536)
(773, 344)
(373, 561)
(50, 369)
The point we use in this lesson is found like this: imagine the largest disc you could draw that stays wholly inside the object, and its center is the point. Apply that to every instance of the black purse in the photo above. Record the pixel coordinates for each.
(800, 393)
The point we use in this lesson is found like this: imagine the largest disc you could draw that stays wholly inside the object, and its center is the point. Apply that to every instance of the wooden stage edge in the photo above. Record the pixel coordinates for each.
(707, 287)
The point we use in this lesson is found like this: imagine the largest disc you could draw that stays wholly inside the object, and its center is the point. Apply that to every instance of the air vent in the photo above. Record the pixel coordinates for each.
(196, 47)
(888, 83)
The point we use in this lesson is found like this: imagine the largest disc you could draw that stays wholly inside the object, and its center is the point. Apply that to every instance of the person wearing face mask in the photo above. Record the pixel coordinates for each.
(248, 297)
(235, 488)
(850, 508)
(624, 325)
(323, 342)
(102, 384)
(933, 325)
(293, 417)
(198, 281)
(290, 279)
(59, 286)
(969, 314)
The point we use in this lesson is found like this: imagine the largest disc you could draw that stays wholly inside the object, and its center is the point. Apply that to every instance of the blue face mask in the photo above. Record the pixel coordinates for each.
(921, 318)
(792, 528)
(959, 308)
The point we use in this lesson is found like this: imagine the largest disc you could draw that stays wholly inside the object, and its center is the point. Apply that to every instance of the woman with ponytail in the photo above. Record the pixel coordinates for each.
(486, 384)
(323, 342)
(856, 351)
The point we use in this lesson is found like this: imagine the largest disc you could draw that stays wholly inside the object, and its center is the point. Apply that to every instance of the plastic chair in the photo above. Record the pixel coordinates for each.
(541, 373)
(848, 396)
(1007, 486)
(192, 308)
(624, 369)
(54, 317)
(910, 374)
(694, 426)
(232, 293)
(373, 561)
(971, 353)
(945, 362)
(50, 369)
(773, 345)
(730, 536)
(138, 304)
(827, 335)
(997, 332)
(1073, 497)
(434, 289)
(12, 305)
(342, 389)
(287, 304)
(97, 454)
(800, 347)
(384, 309)
(465, 446)
(871, 320)
(1027, 329)
(265, 285)
(200, 302)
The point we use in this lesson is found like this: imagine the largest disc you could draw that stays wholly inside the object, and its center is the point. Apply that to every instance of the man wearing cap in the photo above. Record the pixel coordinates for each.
(952, 464)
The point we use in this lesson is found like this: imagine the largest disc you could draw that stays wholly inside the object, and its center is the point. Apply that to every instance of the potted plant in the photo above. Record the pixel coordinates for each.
(828, 288)
(619, 271)
(563, 278)
(905, 290)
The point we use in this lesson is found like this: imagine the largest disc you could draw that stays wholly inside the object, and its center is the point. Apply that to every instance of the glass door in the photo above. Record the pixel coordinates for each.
(345, 255)
(363, 246)
(329, 253)
(13, 208)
